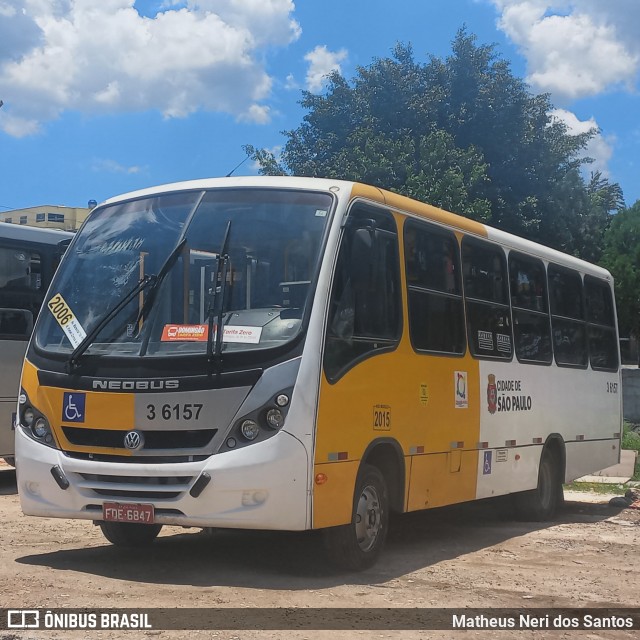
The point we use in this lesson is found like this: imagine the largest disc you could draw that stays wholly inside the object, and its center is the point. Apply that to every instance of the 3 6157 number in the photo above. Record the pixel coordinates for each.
(189, 411)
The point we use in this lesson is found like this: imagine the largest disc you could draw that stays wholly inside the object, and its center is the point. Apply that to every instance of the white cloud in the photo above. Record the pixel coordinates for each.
(16, 126)
(290, 83)
(102, 55)
(321, 63)
(111, 166)
(600, 148)
(575, 48)
(267, 20)
(257, 114)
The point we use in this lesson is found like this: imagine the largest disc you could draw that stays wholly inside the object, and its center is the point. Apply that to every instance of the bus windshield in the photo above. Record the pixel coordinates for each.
(271, 255)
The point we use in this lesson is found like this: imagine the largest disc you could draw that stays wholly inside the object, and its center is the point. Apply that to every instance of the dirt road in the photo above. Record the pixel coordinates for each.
(467, 556)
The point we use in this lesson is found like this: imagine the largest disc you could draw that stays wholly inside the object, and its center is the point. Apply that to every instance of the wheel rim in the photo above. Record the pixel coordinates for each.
(368, 518)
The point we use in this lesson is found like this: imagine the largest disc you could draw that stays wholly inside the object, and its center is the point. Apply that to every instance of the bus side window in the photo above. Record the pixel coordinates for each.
(485, 289)
(601, 325)
(531, 324)
(365, 305)
(567, 317)
(20, 290)
(436, 312)
(16, 322)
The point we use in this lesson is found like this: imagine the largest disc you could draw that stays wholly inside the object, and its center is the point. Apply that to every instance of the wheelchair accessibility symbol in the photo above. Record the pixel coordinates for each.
(73, 407)
(486, 469)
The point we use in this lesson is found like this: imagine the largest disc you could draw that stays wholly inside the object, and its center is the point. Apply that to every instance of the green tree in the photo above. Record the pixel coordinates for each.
(603, 198)
(622, 257)
(462, 133)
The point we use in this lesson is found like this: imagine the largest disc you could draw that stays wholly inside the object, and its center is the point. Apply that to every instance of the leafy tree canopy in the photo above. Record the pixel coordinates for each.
(462, 133)
(622, 257)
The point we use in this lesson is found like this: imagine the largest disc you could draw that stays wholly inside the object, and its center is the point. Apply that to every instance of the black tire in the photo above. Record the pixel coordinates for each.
(543, 502)
(130, 534)
(357, 546)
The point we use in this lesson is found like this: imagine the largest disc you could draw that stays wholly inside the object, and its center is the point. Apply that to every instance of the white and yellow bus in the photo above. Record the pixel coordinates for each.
(295, 353)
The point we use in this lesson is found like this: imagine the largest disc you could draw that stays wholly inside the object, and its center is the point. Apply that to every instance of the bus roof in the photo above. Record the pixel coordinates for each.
(319, 184)
(390, 199)
(508, 240)
(24, 233)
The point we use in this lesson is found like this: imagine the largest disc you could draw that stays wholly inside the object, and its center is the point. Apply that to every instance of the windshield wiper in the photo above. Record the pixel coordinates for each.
(72, 362)
(154, 281)
(216, 308)
(158, 279)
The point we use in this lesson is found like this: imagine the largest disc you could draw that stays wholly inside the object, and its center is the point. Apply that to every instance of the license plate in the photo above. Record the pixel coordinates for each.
(119, 512)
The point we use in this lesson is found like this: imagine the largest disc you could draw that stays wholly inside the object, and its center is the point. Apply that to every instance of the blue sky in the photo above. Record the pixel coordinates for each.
(106, 96)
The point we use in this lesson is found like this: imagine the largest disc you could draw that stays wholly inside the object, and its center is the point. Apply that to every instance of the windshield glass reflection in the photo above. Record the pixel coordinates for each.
(273, 249)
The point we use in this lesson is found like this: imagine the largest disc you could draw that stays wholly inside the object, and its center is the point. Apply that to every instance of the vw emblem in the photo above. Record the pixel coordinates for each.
(133, 440)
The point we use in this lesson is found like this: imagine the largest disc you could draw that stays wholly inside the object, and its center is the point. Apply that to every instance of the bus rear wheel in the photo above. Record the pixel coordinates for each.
(543, 502)
(130, 534)
(357, 546)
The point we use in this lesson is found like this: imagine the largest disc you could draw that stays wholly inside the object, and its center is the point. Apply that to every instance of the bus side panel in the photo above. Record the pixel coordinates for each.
(440, 479)
(427, 404)
(12, 358)
(333, 499)
(522, 405)
(507, 470)
(583, 458)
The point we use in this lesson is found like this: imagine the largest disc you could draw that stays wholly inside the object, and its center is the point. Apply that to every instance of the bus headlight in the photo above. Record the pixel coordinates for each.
(40, 428)
(275, 419)
(34, 423)
(249, 429)
(28, 416)
(282, 400)
(261, 423)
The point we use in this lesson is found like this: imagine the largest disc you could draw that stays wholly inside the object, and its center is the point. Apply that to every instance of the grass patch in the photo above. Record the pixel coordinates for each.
(630, 438)
(597, 487)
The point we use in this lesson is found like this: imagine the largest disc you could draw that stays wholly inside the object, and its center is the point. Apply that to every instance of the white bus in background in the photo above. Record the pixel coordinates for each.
(28, 259)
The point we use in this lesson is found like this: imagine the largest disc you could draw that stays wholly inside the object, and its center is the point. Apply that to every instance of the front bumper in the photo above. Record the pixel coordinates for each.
(261, 486)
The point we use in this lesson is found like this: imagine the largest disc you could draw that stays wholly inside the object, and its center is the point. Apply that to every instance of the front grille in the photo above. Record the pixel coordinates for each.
(134, 459)
(108, 438)
(135, 487)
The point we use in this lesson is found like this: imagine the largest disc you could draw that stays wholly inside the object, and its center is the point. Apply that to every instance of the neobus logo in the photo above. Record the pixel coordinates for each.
(135, 385)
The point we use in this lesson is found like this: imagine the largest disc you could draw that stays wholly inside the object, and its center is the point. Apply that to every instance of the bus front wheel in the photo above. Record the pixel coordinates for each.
(130, 534)
(357, 546)
(542, 503)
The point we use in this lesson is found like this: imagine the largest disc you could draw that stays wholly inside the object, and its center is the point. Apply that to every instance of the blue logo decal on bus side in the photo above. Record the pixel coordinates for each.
(486, 467)
(73, 407)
